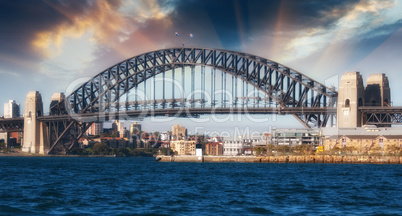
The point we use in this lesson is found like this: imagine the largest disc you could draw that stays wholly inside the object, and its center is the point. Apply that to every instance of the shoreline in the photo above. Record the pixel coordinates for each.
(323, 159)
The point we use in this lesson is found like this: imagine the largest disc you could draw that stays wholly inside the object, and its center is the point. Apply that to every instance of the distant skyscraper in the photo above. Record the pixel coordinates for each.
(135, 128)
(95, 129)
(178, 131)
(11, 109)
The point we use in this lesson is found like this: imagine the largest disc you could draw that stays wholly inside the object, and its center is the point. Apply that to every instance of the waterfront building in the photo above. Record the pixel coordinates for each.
(214, 148)
(360, 144)
(11, 109)
(292, 137)
(183, 147)
(198, 149)
(368, 139)
(232, 147)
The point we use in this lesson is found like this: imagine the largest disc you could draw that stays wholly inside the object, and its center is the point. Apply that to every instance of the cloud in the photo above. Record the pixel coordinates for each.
(38, 34)
(357, 21)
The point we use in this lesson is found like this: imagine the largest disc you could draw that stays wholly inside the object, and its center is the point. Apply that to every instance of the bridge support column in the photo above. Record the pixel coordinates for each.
(44, 145)
(33, 109)
(7, 139)
(350, 97)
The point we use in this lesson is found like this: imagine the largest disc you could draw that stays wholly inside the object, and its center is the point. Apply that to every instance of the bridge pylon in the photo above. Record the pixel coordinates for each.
(350, 97)
(32, 142)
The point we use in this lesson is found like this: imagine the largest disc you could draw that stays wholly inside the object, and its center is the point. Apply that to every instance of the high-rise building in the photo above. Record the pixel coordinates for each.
(11, 109)
(123, 132)
(178, 132)
(135, 128)
(95, 129)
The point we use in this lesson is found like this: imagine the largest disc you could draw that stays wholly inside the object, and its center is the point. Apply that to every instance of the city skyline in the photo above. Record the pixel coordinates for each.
(47, 46)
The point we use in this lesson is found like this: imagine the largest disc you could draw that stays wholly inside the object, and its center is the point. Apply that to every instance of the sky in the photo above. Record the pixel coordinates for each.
(49, 46)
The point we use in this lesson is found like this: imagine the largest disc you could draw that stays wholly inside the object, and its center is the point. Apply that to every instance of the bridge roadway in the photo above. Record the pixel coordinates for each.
(16, 124)
(185, 112)
(391, 113)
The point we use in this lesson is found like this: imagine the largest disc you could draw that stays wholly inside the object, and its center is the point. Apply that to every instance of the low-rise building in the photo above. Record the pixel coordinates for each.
(183, 147)
(232, 147)
(86, 143)
(360, 144)
(292, 137)
(214, 148)
(368, 139)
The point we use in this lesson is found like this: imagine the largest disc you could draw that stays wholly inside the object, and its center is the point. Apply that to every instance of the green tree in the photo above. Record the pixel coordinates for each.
(101, 149)
(165, 151)
(282, 148)
(77, 151)
(3, 147)
(259, 150)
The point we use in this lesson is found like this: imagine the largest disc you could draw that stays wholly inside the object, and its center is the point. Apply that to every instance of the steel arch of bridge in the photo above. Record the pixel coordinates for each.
(285, 86)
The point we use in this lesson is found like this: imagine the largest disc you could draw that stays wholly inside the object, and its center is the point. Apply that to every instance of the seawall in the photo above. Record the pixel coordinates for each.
(337, 159)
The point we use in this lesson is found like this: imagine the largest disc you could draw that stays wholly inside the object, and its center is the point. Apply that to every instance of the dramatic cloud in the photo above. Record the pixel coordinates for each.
(58, 41)
(359, 20)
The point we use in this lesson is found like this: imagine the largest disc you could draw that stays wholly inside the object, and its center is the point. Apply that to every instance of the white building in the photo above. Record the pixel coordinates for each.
(11, 109)
(292, 137)
(233, 147)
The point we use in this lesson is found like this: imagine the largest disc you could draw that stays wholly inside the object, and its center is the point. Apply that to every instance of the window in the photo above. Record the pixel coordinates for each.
(360, 102)
(343, 141)
(347, 103)
(381, 142)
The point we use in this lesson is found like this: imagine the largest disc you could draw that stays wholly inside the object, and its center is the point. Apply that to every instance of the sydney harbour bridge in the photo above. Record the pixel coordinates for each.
(188, 82)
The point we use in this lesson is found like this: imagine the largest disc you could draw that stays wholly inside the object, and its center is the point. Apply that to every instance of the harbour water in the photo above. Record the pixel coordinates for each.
(141, 186)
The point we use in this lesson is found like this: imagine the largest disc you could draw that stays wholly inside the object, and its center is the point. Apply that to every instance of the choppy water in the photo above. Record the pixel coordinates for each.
(140, 186)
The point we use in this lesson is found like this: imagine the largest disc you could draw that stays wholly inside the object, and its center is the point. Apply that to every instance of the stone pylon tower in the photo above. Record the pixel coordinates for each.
(377, 92)
(56, 98)
(350, 97)
(32, 135)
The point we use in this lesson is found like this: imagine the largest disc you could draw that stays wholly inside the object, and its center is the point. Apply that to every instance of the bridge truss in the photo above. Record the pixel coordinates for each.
(235, 81)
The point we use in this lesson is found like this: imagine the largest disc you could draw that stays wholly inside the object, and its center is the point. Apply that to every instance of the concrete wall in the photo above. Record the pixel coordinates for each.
(286, 159)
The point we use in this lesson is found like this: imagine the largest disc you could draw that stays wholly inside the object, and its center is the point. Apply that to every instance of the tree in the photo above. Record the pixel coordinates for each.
(3, 147)
(259, 150)
(100, 149)
(76, 151)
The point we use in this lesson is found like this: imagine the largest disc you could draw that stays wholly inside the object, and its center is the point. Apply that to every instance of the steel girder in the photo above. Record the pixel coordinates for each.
(64, 135)
(382, 115)
(285, 86)
(12, 125)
